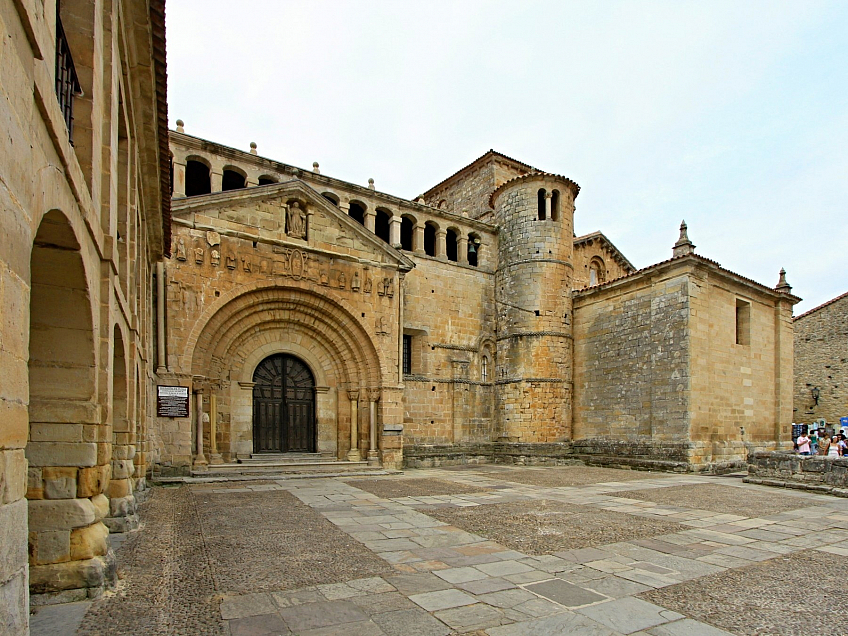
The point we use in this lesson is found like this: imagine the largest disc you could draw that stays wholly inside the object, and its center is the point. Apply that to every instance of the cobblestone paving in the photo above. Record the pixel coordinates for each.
(265, 540)
(166, 584)
(546, 527)
(320, 557)
(390, 488)
(730, 499)
(575, 476)
(798, 594)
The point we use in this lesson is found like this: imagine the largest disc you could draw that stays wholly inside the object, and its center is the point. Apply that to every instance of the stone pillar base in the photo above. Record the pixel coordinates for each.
(373, 458)
(200, 464)
(353, 455)
(215, 459)
(72, 580)
(122, 514)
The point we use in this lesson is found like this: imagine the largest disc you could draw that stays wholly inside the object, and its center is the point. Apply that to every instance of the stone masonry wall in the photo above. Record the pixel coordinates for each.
(631, 359)
(585, 251)
(821, 360)
(469, 195)
(449, 313)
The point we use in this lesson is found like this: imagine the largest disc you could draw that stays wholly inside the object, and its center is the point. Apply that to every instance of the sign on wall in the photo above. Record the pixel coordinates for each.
(172, 401)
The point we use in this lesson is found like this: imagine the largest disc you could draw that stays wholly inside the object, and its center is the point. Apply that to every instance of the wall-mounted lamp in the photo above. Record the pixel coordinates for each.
(815, 393)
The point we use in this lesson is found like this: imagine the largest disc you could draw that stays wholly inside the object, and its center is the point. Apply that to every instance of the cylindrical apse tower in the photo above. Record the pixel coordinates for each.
(533, 282)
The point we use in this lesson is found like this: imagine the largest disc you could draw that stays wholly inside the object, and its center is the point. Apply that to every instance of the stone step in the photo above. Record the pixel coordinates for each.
(286, 468)
(286, 458)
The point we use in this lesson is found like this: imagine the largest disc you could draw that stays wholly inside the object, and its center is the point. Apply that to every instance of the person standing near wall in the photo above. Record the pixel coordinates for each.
(803, 443)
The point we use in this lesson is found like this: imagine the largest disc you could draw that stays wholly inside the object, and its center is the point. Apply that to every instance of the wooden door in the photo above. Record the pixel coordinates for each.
(283, 406)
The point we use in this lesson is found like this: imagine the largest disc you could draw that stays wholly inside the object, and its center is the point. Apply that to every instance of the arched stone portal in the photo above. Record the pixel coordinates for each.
(283, 406)
(235, 336)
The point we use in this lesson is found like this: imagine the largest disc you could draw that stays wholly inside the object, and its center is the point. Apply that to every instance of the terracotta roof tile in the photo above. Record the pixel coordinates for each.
(823, 305)
(536, 173)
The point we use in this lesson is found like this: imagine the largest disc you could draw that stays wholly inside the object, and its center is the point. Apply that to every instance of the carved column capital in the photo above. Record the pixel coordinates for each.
(353, 395)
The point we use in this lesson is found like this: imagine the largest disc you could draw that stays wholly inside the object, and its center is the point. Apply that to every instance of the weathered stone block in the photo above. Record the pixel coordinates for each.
(61, 454)
(101, 506)
(89, 542)
(13, 538)
(60, 514)
(59, 483)
(53, 546)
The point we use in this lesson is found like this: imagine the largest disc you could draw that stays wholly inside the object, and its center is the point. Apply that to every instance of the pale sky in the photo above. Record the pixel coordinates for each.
(730, 115)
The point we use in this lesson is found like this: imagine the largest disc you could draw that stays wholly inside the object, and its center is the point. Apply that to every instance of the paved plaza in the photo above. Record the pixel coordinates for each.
(478, 550)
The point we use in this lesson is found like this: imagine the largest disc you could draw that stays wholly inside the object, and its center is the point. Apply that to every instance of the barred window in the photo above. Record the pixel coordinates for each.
(407, 355)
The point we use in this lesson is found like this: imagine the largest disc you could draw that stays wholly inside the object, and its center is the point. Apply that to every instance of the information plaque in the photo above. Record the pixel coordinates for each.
(172, 401)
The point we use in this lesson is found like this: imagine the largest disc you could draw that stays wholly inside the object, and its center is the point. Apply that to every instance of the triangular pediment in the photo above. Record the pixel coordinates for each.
(260, 212)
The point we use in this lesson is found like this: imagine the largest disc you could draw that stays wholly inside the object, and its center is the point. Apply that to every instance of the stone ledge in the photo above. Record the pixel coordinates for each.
(788, 470)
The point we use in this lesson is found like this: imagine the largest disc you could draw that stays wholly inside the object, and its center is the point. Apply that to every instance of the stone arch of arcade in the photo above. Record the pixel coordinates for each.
(247, 326)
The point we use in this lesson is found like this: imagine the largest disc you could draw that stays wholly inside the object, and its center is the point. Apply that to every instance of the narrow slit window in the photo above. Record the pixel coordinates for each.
(407, 355)
(743, 322)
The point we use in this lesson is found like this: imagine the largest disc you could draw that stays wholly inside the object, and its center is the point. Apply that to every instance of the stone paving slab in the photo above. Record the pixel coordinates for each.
(722, 499)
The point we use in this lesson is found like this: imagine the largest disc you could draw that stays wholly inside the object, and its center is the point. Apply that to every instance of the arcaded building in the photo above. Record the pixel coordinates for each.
(84, 200)
(311, 315)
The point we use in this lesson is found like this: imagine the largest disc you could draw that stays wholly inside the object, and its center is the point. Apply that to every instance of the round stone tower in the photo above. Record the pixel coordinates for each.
(533, 283)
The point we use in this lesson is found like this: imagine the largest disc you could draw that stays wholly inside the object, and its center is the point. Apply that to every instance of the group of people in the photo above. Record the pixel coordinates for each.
(821, 442)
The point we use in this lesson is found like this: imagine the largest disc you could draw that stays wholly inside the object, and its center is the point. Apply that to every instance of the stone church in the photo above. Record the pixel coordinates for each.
(174, 305)
(312, 315)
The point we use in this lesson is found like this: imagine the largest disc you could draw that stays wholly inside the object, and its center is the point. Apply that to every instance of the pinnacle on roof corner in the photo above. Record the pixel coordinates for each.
(683, 246)
(782, 286)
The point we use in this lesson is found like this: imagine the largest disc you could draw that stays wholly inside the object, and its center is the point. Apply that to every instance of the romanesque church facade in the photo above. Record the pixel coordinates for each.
(309, 314)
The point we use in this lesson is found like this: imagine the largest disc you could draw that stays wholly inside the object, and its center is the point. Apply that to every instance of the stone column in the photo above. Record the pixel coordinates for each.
(353, 454)
(462, 249)
(370, 220)
(373, 455)
(400, 329)
(548, 196)
(394, 231)
(344, 207)
(161, 360)
(418, 244)
(217, 179)
(214, 455)
(200, 462)
(179, 178)
(441, 244)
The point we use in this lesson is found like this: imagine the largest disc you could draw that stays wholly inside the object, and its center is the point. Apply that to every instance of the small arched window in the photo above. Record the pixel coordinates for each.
(555, 205)
(357, 213)
(198, 180)
(451, 245)
(430, 239)
(381, 225)
(266, 180)
(473, 250)
(541, 204)
(332, 198)
(597, 271)
(407, 231)
(232, 180)
(484, 369)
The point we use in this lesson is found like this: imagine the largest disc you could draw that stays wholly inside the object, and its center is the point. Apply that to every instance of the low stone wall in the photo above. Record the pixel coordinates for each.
(667, 456)
(433, 455)
(788, 470)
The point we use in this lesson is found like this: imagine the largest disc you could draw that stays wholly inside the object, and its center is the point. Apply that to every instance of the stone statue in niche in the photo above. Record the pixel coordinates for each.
(296, 221)
(215, 257)
(181, 251)
(198, 255)
(354, 284)
(390, 287)
(342, 280)
(368, 284)
(381, 287)
(246, 264)
(382, 329)
(231, 261)
(325, 280)
(264, 268)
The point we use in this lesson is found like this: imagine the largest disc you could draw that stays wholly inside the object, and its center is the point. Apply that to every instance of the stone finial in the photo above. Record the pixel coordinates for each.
(180, 126)
(316, 168)
(253, 147)
(371, 183)
(683, 246)
(421, 201)
(782, 286)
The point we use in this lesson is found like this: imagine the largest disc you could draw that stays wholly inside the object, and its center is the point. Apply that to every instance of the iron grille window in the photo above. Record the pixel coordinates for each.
(67, 82)
(407, 355)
